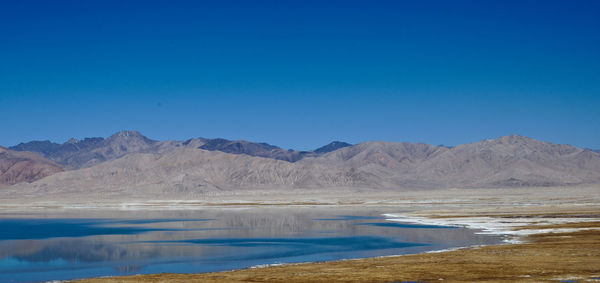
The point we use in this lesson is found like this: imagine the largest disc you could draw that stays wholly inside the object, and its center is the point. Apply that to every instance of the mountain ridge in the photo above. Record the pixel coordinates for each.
(197, 166)
(24, 166)
(76, 154)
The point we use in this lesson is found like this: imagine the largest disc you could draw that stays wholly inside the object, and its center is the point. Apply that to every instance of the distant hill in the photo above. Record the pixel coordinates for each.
(266, 150)
(17, 167)
(253, 149)
(88, 152)
(129, 163)
(511, 161)
(75, 154)
(335, 145)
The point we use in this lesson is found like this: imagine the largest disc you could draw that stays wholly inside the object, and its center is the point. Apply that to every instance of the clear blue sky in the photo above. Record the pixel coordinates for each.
(300, 74)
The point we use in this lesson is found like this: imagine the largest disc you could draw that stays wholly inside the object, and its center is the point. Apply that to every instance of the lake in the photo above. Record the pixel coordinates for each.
(70, 245)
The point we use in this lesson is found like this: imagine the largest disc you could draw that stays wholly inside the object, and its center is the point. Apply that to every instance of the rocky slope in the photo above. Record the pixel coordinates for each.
(504, 162)
(75, 154)
(511, 161)
(17, 167)
(266, 150)
(334, 145)
(186, 169)
(192, 172)
(252, 149)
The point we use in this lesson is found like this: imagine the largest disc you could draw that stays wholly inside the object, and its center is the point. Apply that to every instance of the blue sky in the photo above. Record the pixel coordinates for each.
(299, 74)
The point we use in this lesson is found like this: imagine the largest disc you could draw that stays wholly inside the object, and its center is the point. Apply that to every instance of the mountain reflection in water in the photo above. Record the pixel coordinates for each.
(38, 248)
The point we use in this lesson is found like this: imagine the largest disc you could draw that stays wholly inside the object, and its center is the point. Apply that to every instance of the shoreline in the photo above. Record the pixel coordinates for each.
(513, 230)
(573, 233)
(551, 231)
(409, 200)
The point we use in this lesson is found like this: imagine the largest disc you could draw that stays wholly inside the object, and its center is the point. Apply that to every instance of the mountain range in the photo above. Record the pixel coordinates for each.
(76, 154)
(130, 162)
(17, 166)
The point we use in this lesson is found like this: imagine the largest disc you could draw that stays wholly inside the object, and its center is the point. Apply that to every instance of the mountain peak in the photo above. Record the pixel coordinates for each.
(515, 138)
(507, 161)
(43, 147)
(334, 145)
(511, 139)
(127, 133)
(251, 148)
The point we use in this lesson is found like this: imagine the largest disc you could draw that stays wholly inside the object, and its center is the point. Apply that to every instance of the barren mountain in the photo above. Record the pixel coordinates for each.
(192, 172)
(334, 145)
(184, 169)
(252, 149)
(88, 152)
(75, 154)
(266, 150)
(391, 162)
(511, 161)
(16, 167)
(504, 162)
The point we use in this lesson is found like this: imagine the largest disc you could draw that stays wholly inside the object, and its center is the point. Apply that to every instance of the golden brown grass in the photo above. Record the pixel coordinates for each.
(543, 258)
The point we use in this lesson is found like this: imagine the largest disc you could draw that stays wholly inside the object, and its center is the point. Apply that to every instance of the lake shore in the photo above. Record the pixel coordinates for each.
(499, 199)
(566, 257)
(551, 236)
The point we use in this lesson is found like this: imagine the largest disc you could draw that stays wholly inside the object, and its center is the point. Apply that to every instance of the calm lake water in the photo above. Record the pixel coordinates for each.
(46, 247)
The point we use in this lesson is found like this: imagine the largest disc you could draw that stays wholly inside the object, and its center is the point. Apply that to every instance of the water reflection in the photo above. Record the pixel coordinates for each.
(48, 247)
(17, 229)
(404, 225)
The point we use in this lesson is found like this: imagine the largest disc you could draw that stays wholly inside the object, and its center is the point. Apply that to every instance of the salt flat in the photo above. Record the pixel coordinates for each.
(513, 199)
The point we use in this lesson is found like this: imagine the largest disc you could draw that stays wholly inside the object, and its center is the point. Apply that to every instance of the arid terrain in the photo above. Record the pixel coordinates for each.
(544, 198)
(18, 167)
(129, 166)
(300, 141)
